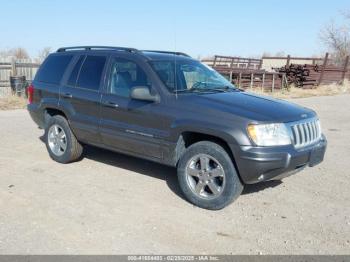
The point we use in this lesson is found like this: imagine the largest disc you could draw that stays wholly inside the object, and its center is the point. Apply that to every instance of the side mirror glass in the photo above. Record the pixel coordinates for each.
(143, 93)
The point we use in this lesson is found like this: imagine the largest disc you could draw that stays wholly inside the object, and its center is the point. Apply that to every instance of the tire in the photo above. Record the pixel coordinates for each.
(207, 176)
(63, 147)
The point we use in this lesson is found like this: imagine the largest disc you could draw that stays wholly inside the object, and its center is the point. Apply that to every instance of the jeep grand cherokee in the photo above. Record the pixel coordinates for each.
(169, 108)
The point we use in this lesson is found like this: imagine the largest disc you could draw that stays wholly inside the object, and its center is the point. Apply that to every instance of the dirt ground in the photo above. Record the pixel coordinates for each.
(12, 102)
(112, 204)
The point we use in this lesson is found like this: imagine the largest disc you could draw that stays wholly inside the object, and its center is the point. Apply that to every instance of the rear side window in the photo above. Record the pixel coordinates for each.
(74, 75)
(91, 72)
(54, 68)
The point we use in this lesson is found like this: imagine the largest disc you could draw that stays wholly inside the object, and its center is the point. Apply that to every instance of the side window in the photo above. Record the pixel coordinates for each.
(125, 75)
(166, 73)
(91, 72)
(54, 68)
(75, 72)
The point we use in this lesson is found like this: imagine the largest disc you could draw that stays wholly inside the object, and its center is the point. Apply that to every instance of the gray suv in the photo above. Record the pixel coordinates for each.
(169, 108)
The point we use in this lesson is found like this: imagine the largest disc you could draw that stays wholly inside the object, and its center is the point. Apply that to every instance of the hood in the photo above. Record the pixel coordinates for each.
(248, 105)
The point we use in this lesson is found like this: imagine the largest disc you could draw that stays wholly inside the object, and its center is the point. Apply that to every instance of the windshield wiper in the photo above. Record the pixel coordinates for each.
(200, 90)
(222, 89)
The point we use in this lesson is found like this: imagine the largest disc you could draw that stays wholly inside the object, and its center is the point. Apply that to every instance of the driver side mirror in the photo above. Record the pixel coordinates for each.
(143, 93)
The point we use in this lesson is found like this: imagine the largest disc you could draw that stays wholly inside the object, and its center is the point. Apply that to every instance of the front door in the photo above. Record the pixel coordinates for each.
(129, 125)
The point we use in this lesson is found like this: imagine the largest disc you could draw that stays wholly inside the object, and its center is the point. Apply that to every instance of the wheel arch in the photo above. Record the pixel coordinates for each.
(188, 138)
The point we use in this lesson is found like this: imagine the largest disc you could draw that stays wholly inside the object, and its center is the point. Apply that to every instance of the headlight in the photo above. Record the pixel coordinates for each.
(269, 134)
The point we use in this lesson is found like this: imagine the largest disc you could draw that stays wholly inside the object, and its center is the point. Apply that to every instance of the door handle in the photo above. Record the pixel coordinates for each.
(110, 104)
(67, 95)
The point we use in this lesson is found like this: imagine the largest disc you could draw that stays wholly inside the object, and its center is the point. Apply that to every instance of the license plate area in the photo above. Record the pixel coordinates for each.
(316, 156)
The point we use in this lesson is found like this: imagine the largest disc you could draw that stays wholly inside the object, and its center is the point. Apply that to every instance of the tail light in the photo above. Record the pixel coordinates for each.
(30, 93)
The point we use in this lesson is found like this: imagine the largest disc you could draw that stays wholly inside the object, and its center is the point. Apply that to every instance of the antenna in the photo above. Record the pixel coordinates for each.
(175, 56)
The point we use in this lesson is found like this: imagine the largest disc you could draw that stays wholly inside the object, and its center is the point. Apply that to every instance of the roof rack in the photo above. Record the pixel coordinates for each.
(63, 49)
(166, 52)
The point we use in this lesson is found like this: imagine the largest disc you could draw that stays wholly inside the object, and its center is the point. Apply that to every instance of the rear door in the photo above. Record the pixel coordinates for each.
(81, 95)
(49, 77)
(130, 125)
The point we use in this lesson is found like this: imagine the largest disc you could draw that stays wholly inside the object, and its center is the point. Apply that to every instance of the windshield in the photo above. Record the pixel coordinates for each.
(189, 76)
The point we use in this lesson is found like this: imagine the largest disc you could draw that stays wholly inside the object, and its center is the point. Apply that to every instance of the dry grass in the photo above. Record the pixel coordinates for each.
(293, 92)
(12, 102)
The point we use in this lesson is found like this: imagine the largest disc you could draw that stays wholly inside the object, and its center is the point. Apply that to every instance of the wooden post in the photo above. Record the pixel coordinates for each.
(249, 62)
(288, 60)
(325, 61)
(13, 67)
(251, 80)
(263, 82)
(285, 80)
(231, 65)
(239, 80)
(345, 69)
(214, 63)
(273, 82)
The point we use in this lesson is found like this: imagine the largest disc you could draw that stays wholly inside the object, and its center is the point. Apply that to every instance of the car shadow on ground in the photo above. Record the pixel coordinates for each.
(148, 168)
(152, 169)
(254, 188)
(134, 164)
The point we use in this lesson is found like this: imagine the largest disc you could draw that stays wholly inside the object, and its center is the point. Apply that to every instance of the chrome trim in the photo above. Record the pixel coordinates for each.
(305, 132)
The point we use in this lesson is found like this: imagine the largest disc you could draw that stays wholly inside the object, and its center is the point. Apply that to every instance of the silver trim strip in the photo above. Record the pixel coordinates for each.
(305, 132)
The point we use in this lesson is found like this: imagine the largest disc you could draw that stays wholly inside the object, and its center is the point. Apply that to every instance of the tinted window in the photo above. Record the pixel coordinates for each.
(166, 72)
(189, 75)
(125, 75)
(91, 72)
(54, 68)
(74, 75)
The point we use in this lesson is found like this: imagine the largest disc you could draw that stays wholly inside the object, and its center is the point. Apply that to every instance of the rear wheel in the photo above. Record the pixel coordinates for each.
(208, 177)
(61, 143)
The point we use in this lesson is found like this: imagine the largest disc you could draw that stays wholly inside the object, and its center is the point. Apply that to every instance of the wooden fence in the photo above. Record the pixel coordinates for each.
(15, 67)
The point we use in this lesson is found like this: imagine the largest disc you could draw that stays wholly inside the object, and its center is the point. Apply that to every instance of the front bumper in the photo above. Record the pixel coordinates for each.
(257, 164)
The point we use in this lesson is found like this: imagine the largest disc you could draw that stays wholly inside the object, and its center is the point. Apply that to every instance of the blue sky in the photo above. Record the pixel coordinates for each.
(198, 27)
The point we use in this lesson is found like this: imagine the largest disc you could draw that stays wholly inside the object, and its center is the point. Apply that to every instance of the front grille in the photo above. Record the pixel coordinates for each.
(306, 133)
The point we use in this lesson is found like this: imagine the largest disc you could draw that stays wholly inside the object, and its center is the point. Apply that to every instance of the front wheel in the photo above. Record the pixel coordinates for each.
(208, 177)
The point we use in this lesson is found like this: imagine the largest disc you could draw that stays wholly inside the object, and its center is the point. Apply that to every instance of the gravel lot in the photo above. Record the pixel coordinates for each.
(112, 204)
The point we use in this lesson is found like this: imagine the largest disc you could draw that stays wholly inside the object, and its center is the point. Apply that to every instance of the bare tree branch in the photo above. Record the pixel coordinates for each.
(337, 39)
(18, 53)
(43, 53)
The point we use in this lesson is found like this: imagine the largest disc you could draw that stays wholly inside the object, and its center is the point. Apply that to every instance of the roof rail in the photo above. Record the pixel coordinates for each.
(166, 52)
(63, 49)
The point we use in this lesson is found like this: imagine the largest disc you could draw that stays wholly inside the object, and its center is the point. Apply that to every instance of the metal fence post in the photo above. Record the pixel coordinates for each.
(325, 61)
(345, 69)
(214, 63)
(288, 60)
